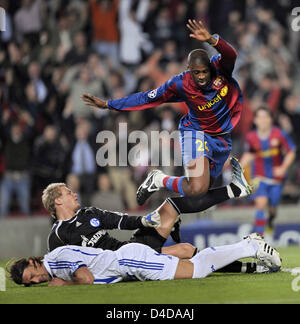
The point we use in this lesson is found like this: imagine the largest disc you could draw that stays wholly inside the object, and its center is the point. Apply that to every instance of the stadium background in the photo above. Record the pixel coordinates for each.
(54, 51)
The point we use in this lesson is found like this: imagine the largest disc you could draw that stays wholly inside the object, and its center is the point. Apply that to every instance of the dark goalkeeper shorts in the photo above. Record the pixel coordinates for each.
(150, 237)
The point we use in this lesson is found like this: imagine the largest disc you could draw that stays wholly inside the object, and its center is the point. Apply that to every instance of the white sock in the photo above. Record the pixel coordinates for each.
(214, 258)
(158, 180)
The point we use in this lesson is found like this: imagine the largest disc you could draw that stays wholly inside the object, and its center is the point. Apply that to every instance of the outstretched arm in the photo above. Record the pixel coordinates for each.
(168, 92)
(114, 220)
(93, 101)
(199, 32)
(228, 56)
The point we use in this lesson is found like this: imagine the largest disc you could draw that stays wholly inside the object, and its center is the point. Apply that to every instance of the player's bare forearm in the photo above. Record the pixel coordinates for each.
(247, 159)
(57, 282)
(93, 101)
(199, 32)
(82, 276)
(289, 159)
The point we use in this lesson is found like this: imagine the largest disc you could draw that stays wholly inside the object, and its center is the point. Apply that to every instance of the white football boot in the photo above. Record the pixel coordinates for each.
(147, 188)
(238, 178)
(265, 253)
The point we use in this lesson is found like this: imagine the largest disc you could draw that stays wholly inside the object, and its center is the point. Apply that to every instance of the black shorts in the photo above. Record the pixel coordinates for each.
(150, 237)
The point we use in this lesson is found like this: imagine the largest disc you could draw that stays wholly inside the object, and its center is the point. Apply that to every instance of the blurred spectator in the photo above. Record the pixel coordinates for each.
(61, 38)
(7, 34)
(84, 83)
(83, 161)
(79, 52)
(132, 14)
(49, 158)
(54, 50)
(34, 74)
(179, 34)
(78, 15)
(121, 178)
(28, 20)
(105, 28)
(73, 183)
(201, 9)
(162, 27)
(16, 178)
(262, 65)
(292, 112)
(16, 73)
(105, 197)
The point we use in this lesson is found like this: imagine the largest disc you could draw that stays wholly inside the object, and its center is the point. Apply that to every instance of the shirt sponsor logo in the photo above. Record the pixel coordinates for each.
(268, 153)
(215, 100)
(94, 240)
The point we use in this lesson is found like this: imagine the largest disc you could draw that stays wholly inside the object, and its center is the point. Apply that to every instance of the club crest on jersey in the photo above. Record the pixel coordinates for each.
(95, 222)
(218, 83)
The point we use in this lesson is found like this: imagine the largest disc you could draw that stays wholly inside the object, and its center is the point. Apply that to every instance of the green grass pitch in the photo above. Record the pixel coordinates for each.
(217, 288)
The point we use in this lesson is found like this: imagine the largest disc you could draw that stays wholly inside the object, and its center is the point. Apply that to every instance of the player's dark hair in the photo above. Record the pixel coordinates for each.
(264, 108)
(199, 56)
(17, 269)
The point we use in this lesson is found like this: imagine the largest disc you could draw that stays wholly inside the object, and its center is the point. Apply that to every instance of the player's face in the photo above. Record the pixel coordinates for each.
(263, 120)
(200, 74)
(69, 199)
(35, 274)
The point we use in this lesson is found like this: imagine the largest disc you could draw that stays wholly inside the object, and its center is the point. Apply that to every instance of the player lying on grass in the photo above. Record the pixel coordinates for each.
(214, 102)
(73, 265)
(87, 226)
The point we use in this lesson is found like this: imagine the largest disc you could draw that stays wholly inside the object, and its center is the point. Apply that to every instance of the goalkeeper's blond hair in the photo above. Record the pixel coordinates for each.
(52, 192)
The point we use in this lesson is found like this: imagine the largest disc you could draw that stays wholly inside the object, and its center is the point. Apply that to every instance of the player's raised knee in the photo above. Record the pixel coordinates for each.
(197, 188)
(188, 249)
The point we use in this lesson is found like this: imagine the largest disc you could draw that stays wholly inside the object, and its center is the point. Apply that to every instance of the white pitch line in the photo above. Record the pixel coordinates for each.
(266, 301)
(294, 271)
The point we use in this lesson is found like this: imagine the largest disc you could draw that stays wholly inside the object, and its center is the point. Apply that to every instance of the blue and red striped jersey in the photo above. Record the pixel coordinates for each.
(216, 109)
(269, 152)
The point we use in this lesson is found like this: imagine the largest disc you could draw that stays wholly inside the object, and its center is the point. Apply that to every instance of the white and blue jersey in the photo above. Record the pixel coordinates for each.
(131, 261)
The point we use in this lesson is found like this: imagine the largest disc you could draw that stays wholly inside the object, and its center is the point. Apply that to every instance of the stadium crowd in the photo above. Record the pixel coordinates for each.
(53, 51)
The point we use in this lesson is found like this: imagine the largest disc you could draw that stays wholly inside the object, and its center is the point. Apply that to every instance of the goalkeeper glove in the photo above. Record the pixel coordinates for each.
(151, 220)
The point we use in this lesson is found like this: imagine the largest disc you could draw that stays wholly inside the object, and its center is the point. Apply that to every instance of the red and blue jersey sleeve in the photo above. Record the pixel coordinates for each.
(249, 143)
(143, 100)
(286, 142)
(225, 61)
